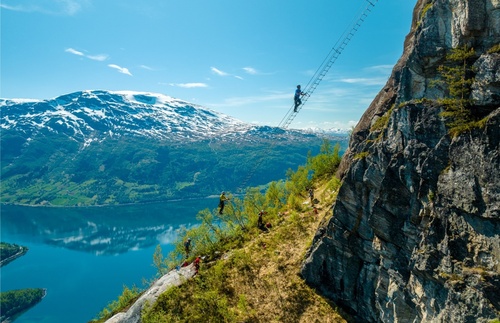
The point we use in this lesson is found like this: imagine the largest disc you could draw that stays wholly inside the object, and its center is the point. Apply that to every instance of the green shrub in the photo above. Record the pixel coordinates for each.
(126, 299)
(276, 196)
(382, 121)
(461, 127)
(431, 196)
(457, 74)
(326, 162)
(298, 181)
(494, 49)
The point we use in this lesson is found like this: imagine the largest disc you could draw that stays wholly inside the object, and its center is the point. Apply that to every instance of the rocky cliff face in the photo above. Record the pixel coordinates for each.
(415, 232)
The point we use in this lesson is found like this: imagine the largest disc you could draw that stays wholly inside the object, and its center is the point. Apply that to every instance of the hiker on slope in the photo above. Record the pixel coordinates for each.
(222, 202)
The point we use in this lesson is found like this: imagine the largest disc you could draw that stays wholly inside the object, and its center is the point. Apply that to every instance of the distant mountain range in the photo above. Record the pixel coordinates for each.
(100, 147)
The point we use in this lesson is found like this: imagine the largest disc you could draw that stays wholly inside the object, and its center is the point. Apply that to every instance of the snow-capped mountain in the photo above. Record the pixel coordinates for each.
(88, 116)
(85, 115)
(331, 131)
(102, 148)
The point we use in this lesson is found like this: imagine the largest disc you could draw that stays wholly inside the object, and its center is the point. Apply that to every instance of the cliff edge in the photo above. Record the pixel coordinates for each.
(415, 232)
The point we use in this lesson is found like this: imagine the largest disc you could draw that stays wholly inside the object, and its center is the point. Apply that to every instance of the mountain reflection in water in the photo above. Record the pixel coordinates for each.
(88, 254)
(101, 230)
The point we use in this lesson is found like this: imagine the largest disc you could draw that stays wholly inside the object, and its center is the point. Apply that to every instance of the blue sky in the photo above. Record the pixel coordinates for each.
(241, 58)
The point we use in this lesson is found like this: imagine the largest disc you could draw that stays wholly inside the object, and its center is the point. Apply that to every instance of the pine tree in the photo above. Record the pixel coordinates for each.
(457, 74)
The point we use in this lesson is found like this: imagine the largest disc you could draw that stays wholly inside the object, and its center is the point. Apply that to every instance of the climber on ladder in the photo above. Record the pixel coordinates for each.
(296, 98)
(318, 76)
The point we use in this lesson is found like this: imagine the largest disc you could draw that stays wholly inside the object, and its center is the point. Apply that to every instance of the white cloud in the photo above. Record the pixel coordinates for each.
(365, 81)
(249, 100)
(51, 7)
(100, 57)
(74, 51)
(218, 72)
(190, 85)
(71, 7)
(222, 73)
(385, 69)
(146, 67)
(120, 69)
(250, 70)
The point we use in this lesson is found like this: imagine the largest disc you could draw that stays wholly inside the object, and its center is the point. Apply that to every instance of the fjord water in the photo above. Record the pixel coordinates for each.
(85, 256)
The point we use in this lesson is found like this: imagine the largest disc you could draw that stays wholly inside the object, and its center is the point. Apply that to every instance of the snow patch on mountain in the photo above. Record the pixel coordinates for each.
(97, 115)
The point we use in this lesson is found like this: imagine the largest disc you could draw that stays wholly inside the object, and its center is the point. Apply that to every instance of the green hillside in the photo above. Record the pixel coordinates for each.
(250, 273)
(56, 172)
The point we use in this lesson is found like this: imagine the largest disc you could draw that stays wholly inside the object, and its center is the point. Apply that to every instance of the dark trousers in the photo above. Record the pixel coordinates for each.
(298, 102)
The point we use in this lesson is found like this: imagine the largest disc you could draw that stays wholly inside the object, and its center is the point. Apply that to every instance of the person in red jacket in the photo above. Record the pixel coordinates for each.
(197, 263)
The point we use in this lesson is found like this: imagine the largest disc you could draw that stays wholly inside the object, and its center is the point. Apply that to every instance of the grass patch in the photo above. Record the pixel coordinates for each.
(361, 155)
(382, 122)
(424, 12)
(451, 277)
(461, 127)
(494, 49)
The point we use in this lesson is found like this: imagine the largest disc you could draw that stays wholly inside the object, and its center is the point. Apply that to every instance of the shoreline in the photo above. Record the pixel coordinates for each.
(22, 252)
(107, 205)
(12, 318)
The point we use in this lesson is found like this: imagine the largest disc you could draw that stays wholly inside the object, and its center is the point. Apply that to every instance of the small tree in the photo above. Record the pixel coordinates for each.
(158, 261)
(457, 75)
(298, 181)
(276, 195)
(326, 162)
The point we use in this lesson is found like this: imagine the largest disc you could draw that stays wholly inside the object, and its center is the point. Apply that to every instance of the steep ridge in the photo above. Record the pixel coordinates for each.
(415, 232)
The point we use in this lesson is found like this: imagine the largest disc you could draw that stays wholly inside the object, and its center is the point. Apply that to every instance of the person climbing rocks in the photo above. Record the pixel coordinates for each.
(222, 202)
(311, 195)
(296, 98)
(187, 246)
(260, 221)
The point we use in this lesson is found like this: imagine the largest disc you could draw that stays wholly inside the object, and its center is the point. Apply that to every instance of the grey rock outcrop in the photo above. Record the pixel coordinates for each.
(415, 232)
(149, 297)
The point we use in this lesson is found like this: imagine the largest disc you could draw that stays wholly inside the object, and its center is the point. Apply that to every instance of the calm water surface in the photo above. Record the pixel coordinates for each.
(85, 256)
